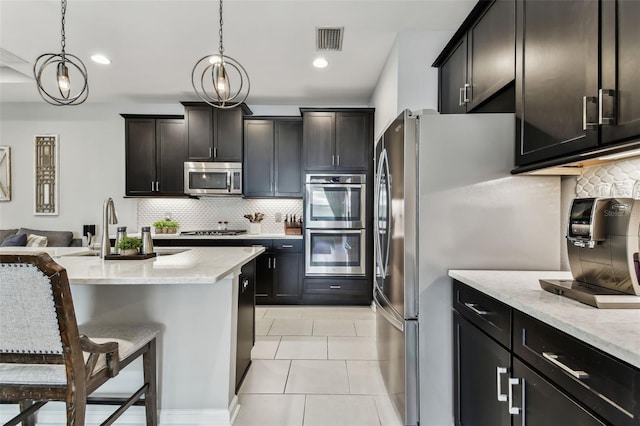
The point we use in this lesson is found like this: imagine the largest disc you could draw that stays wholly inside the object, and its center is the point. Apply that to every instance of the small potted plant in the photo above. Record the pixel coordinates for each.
(129, 246)
(165, 226)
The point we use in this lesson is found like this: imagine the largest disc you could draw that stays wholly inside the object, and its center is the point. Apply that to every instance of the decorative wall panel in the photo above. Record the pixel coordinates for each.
(46, 175)
(5, 173)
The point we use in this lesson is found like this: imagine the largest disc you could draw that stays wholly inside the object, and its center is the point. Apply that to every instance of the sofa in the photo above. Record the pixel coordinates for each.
(53, 238)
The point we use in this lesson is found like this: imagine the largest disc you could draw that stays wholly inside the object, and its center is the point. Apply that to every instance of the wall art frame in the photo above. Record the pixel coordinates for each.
(46, 170)
(5, 173)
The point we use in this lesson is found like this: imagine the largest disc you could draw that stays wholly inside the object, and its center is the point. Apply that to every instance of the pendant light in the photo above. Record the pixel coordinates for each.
(220, 80)
(62, 84)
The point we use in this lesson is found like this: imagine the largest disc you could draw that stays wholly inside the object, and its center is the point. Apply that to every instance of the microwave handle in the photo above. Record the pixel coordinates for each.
(229, 181)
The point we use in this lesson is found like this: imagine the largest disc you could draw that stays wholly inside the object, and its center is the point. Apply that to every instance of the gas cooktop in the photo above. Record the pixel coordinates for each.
(215, 232)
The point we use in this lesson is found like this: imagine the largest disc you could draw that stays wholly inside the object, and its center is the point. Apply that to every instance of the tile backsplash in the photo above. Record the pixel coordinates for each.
(592, 177)
(194, 214)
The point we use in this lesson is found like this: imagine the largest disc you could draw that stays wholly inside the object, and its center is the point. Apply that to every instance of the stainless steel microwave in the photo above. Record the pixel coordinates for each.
(212, 179)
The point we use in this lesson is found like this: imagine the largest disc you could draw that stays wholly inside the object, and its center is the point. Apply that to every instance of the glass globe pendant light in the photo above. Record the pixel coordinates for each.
(61, 62)
(219, 80)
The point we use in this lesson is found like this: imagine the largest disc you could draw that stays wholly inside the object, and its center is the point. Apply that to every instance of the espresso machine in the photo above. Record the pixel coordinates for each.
(603, 245)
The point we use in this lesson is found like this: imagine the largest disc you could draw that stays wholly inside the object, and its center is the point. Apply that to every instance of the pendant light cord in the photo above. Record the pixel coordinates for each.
(63, 42)
(220, 48)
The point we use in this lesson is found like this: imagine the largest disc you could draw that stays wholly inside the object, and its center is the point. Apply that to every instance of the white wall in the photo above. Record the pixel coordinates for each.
(385, 95)
(91, 151)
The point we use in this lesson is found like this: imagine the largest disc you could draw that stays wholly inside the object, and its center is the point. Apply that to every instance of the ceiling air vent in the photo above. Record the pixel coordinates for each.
(329, 38)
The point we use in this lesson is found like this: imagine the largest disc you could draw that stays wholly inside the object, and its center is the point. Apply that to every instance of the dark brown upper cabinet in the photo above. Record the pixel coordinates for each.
(477, 67)
(576, 97)
(214, 134)
(273, 157)
(155, 150)
(337, 139)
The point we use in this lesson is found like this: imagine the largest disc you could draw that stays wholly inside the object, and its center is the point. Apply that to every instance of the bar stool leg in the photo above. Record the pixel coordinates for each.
(150, 396)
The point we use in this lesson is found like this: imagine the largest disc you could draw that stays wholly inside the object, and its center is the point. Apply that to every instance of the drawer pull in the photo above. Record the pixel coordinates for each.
(287, 246)
(474, 308)
(512, 382)
(553, 358)
(335, 286)
(499, 372)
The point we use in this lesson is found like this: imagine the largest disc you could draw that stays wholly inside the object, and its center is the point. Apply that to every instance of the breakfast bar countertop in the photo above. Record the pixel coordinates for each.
(185, 265)
(613, 331)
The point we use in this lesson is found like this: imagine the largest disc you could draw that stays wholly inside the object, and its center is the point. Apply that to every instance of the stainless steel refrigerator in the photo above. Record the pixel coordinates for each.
(444, 199)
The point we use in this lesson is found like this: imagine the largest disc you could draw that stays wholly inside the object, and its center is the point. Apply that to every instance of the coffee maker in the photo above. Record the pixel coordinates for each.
(602, 245)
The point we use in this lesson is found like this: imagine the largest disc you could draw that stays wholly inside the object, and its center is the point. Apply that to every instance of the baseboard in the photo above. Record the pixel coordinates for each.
(134, 416)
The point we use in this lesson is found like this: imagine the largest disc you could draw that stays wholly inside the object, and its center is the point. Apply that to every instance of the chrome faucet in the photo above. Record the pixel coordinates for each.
(109, 215)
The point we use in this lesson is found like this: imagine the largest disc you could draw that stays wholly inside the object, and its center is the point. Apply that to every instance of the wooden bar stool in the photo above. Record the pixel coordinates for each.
(45, 356)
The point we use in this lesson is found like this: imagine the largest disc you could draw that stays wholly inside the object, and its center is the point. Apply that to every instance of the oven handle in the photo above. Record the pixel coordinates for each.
(333, 231)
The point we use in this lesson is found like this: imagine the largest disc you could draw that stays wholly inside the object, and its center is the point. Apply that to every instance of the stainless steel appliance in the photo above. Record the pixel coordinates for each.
(335, 201)
(445, 199)
(603, 246)
(335, 252)
(212, 179)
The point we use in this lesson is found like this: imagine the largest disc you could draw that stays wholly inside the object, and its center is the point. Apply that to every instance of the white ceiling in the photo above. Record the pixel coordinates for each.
(153, 45)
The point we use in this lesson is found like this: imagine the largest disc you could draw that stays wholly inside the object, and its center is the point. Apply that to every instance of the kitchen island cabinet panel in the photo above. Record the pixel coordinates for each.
(246, 320)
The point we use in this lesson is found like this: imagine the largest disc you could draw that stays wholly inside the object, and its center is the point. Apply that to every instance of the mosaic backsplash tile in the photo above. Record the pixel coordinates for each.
(205, 213)
(588, 183)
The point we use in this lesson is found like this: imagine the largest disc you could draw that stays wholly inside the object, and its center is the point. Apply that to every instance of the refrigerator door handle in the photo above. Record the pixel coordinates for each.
(387, 315)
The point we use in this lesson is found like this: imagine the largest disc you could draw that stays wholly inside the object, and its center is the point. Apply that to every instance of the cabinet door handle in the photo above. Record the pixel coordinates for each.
(499, 372)
(157, 186)
(608, 121)
(333, 160)
(211, 153)
(245, 284)
(151, 186)
(215, 152)
(274, 263)
(287, 246)
(337, 160)
(335, 287)
(474, 307)
(512, 409)
(587, 125)
(461, 97)
(553, 358)
(269, 264)
(466, 98)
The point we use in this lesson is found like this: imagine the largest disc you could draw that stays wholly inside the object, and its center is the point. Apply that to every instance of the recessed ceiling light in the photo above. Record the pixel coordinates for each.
(320, 63)
(101, 59)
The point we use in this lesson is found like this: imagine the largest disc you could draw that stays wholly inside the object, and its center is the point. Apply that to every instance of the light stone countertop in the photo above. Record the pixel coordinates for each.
(614, 331)
(263, 236)
(184, 265)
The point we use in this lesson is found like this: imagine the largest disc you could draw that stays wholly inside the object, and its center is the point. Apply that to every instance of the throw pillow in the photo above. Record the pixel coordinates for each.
(19, 240)
(36, 241)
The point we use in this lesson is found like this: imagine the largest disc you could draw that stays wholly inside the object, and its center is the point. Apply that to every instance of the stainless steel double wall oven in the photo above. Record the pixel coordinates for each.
(335, 221)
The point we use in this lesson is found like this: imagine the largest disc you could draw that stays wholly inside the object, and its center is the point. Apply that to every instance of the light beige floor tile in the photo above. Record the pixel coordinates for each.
(365, 327)
(260, 310)
(266, 376)
(357, 348)
(340, 410)
(265, 347)
(263, 326)
(333, 327)
(357, 312)
(292, 312)
(388, 415)
(318, 377)
(291, 327)
(270, 410)
(302, 347)
(365, 378)
(321, 312)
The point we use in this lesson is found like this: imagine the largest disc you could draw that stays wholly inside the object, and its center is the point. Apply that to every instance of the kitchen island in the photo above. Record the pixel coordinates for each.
(192, 295)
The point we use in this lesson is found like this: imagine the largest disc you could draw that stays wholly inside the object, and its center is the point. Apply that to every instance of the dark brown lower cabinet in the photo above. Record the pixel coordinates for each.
(279, 273)
(246, 320)
(537, 402)
(481, 373)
